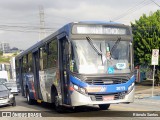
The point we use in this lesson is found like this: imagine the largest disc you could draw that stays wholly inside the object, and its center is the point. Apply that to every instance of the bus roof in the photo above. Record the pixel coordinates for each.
(99, 22)
(65, 29)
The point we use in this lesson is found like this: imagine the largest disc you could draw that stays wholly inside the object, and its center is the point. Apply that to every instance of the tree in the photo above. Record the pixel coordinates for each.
(1, 53)
(146, 36)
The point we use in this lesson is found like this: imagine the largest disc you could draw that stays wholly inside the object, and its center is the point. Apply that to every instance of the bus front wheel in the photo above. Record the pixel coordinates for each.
(55, 102)
(58, 108)
(14, 103)
(104, 106)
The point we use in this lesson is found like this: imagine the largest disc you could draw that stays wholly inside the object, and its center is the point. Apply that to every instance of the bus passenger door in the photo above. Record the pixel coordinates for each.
(36, 75)
(64, 77)
(21, 78)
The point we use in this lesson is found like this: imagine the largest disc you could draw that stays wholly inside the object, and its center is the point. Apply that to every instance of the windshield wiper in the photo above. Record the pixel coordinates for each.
(115, 44)
(94, 46)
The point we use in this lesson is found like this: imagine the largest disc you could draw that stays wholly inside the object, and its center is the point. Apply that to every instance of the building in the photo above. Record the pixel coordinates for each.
(5, 47)
(12, 69)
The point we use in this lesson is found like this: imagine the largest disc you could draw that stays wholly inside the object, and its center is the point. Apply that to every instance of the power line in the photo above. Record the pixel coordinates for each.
(29, 30)
(132, 9)
(155, 3)
(129, 11)
(16, 26)
(51, 31)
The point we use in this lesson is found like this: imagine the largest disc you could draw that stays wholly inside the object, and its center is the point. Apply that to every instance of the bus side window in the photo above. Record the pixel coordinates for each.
(43, 58)
(30, 69)
(52, 54)
(24, 64)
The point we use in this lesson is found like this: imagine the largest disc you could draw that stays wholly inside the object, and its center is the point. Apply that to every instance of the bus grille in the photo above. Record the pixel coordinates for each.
(99, 97)
(105, 81)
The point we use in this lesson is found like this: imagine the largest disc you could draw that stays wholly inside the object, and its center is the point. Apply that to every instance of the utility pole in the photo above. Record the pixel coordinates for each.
(42, 33)
(3, 49)
(154, 61)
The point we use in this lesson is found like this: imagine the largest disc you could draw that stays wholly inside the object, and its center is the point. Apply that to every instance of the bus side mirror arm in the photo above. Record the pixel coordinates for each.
(132, 58)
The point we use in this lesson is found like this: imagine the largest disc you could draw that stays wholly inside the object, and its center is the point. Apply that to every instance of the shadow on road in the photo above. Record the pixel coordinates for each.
(48, 107)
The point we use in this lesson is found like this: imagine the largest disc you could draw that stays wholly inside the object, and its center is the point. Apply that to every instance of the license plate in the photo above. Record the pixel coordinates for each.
(107, 98)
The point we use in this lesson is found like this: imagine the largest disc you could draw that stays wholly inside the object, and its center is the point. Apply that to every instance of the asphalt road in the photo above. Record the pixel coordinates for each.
(140, 107)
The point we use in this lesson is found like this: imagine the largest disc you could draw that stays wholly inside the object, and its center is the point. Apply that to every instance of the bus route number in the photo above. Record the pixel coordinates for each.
(121, 88)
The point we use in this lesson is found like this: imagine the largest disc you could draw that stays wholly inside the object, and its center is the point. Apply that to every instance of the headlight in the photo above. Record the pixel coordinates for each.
(11, 96)
(131, 87)
(75, 87)
(79, 89)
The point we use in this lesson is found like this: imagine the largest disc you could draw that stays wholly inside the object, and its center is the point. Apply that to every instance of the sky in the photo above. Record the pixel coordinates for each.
(20, 19)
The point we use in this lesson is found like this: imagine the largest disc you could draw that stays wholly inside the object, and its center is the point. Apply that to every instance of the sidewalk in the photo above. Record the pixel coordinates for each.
(142, 92)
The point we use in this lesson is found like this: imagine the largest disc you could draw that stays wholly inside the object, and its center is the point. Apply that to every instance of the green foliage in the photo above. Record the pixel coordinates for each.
(15, 54)
(146, 36)
(1, 53)
(2, 59)
(6, 59)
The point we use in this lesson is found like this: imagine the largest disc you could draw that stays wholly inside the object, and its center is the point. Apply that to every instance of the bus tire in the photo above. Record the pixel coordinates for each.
(29, 100)
(14, 103)
(104, 106)
(58, 108)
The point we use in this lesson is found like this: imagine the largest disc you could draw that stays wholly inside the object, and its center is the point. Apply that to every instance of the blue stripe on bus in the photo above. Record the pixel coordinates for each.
(77, 81)
(107, 88)
(30, 78)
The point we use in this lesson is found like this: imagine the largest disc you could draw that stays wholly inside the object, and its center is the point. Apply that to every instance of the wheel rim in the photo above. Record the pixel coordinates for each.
(56, 102)
(27, 97)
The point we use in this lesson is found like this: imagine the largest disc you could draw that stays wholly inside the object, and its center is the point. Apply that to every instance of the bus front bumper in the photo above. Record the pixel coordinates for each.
(78, 99)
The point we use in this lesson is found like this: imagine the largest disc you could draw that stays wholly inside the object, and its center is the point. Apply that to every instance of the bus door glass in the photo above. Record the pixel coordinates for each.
(36, 73)
(63, 69)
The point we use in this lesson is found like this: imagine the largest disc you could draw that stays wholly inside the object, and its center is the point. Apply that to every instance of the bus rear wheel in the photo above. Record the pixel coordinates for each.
(104, 106)
(29, 100)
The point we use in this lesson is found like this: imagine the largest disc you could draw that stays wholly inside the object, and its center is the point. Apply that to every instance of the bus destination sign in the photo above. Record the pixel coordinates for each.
(99, 29)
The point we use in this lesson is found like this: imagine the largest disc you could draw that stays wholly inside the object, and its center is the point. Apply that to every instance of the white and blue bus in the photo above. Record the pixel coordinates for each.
(70, 67)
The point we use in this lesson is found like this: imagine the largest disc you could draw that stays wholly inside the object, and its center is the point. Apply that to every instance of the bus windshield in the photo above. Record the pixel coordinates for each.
(100, 56)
